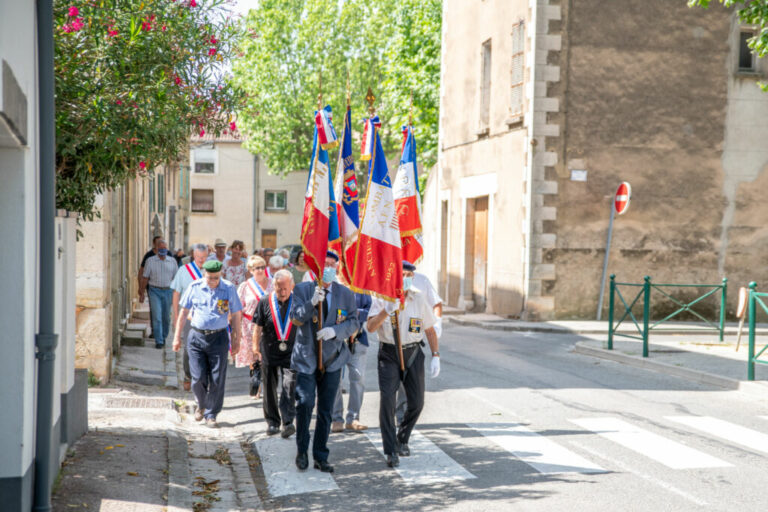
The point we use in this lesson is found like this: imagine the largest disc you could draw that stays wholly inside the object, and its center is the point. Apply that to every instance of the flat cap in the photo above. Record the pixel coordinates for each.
(212, 266)
(407, 265)
(332, 255)
(220, 242)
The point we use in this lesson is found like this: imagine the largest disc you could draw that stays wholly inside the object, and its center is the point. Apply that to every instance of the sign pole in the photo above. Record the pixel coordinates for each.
(605, 261)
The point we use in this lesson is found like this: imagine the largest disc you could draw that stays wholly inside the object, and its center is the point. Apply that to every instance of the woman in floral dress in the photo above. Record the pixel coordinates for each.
(234, 269)
(250, 291)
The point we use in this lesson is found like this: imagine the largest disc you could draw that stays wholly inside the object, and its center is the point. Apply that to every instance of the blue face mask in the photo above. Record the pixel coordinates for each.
(329, 274)
(286, 261)
(407, 282)
(162, 252)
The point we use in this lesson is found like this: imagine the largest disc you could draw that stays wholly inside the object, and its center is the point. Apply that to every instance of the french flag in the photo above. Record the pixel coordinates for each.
(325, 132)
(408, 201)
(378, 265)
(347, 197)
(315, 225)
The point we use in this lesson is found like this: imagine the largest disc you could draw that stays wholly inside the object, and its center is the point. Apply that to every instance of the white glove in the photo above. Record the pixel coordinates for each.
(434, 367)
(438, 326)
(318, 296)
(391, 307)
(326, 333)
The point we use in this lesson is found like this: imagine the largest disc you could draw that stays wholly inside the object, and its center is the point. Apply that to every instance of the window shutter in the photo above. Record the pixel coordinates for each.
(518, 69)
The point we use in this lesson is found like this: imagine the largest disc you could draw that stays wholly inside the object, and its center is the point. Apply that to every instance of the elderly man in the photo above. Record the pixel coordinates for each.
(415, 320)
(142, 292)
(273, 340)
(158, 274)
(334, 306)
(220, 251)
(212, 300)
(275, 264)
(185, 276)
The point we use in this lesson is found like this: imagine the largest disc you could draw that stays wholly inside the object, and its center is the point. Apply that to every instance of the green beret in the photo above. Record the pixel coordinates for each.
(212, 266)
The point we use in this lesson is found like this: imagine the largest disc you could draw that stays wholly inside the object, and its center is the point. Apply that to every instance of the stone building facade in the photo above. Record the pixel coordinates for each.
(653, 93)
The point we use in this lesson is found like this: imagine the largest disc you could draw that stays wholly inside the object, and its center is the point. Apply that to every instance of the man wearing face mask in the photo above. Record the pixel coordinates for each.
(159, 271)
(416, 319)
(339, 321)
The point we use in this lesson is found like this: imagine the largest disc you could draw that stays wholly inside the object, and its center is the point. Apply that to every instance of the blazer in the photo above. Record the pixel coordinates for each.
(335, 351)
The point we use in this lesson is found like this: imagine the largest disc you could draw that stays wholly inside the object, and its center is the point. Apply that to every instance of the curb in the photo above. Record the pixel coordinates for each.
(179, 480)
(753, 388)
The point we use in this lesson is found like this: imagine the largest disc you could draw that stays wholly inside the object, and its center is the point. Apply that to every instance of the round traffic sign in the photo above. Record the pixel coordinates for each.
(622, 197)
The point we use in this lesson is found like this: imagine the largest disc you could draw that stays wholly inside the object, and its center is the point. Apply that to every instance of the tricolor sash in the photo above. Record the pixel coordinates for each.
(193, 270)
(282, 325)
(257, 290)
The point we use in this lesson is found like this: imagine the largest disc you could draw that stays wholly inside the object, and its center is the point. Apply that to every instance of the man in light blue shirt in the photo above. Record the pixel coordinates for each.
(212, 300)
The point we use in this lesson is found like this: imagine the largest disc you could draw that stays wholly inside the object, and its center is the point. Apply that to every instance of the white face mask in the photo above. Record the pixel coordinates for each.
(407, 282)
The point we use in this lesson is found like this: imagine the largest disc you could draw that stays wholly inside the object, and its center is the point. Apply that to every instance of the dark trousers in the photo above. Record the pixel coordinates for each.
(208, 366)
(326, 385)
(390, 377)
(286, 407)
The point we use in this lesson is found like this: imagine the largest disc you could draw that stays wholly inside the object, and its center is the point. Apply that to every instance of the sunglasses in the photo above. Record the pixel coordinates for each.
(260, 268)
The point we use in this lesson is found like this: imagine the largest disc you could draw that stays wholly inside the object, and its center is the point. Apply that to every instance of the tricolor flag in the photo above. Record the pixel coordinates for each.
(346, 192)
(379, 267)
(325, 132)
(408, 201)
(370, 125)
(319, 207)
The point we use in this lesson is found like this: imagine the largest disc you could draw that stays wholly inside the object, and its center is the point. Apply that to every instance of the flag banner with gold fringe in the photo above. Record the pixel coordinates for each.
(408, 200)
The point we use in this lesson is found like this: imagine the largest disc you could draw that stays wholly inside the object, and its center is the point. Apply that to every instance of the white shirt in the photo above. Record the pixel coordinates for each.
(160, 272)
(421, 282)
(415, 318)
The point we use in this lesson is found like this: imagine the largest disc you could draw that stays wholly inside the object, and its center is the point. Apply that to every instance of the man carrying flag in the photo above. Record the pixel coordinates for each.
(408, 201)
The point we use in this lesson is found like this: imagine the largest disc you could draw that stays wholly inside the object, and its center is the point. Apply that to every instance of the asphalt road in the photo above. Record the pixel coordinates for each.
(515, 421)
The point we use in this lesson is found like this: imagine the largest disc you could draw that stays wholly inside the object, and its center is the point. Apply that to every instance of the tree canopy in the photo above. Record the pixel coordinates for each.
(391, 46)
(133, 79)
(753, 12)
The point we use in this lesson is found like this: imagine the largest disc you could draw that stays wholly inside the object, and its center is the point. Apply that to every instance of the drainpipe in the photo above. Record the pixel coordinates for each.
(46, 340)
(255, 216)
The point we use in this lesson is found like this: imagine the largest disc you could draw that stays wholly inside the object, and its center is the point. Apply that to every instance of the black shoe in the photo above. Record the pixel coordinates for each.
(159, 345)
(393, 460)
(302, 461)
(403, 450)
(323, 466)
(288, 431)
(272, 430)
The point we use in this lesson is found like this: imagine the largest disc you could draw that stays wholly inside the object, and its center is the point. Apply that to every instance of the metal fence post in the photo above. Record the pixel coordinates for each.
(646, 312)
(751, 313)
(723, 300)
(610, 311)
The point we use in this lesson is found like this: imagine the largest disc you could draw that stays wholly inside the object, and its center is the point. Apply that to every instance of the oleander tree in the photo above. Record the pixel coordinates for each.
(134, 79)
(391, 46)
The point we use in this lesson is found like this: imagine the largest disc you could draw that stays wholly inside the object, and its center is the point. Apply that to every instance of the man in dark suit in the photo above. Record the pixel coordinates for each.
(339, 320)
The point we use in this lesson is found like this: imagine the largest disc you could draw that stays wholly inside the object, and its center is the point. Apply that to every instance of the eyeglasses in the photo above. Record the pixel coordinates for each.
(260, 268)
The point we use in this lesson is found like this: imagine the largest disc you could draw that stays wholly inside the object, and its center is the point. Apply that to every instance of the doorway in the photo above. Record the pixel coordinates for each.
(477, 248)
(269, 238)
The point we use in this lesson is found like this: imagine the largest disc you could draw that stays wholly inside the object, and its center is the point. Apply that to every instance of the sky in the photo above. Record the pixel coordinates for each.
(242, 6)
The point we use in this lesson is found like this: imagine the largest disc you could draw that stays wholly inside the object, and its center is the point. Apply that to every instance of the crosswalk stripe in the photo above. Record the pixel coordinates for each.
(670, 453)
(729, 431)
(283, 477)
(537, 451)
(427, 464)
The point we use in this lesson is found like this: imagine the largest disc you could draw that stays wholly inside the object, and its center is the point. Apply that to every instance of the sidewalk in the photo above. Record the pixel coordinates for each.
(144, 451)
(685, 350)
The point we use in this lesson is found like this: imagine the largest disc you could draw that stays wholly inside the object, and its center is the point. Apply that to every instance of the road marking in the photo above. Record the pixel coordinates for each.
(729, 431)
(670, 453)
(537, 451)
(427, 464)
(283, 477)
(628, 469)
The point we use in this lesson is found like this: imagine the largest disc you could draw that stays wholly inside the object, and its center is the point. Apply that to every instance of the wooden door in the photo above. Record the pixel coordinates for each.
(480, 252)
(269, 238)
(443, 277)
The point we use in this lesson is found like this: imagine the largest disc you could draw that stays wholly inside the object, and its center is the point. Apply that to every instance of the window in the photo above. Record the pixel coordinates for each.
(275, 200)
(202, 200)
(151, 196)
(204, 161)
(518, 70)
(485, 86)
(161, 193)
(746, 56)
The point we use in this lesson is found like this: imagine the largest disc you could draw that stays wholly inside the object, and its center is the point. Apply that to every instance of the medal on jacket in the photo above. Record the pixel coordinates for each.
(282, 325)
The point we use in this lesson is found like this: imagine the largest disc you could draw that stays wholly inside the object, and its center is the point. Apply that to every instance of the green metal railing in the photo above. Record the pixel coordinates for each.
(644, 293)
(755, 299)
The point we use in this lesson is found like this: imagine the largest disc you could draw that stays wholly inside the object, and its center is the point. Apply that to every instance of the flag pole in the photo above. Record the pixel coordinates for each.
(319, 276)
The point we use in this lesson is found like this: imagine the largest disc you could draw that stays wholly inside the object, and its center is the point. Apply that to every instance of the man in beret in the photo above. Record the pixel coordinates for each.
(211, 300)
(337, 306)
(415, 320)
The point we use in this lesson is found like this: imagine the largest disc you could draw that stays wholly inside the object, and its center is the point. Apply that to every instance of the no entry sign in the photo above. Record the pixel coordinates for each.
(622, 197)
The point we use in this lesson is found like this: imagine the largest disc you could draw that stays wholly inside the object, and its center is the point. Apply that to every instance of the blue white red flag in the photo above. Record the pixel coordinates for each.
(325, 132)
(347, 197)
(408, 200)
(370, 125)
(379, 267)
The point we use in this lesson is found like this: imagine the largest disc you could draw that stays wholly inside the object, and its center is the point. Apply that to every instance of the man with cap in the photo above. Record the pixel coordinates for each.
(337, 306)
(211, 300)
(220, 248)
(185, 276)
(415, 320)
(159, 271)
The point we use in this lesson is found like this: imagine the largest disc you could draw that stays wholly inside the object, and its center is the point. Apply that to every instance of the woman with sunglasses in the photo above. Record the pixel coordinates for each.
(250, 292)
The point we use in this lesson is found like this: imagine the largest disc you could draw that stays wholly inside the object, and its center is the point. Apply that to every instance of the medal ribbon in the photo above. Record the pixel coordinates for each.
(282, 325)
(193, 270)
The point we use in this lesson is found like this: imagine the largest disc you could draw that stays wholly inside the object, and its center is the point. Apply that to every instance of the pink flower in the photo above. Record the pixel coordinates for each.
(163, 28)
(77, 24)
(232, 126)
(177, 80)
(202, 132)
(119, 102)
(143, 165)
(66, 28)
(192, 3)
(146, 26)
(212, 51)
(112, 33)
(73, 11)
(213, 40)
